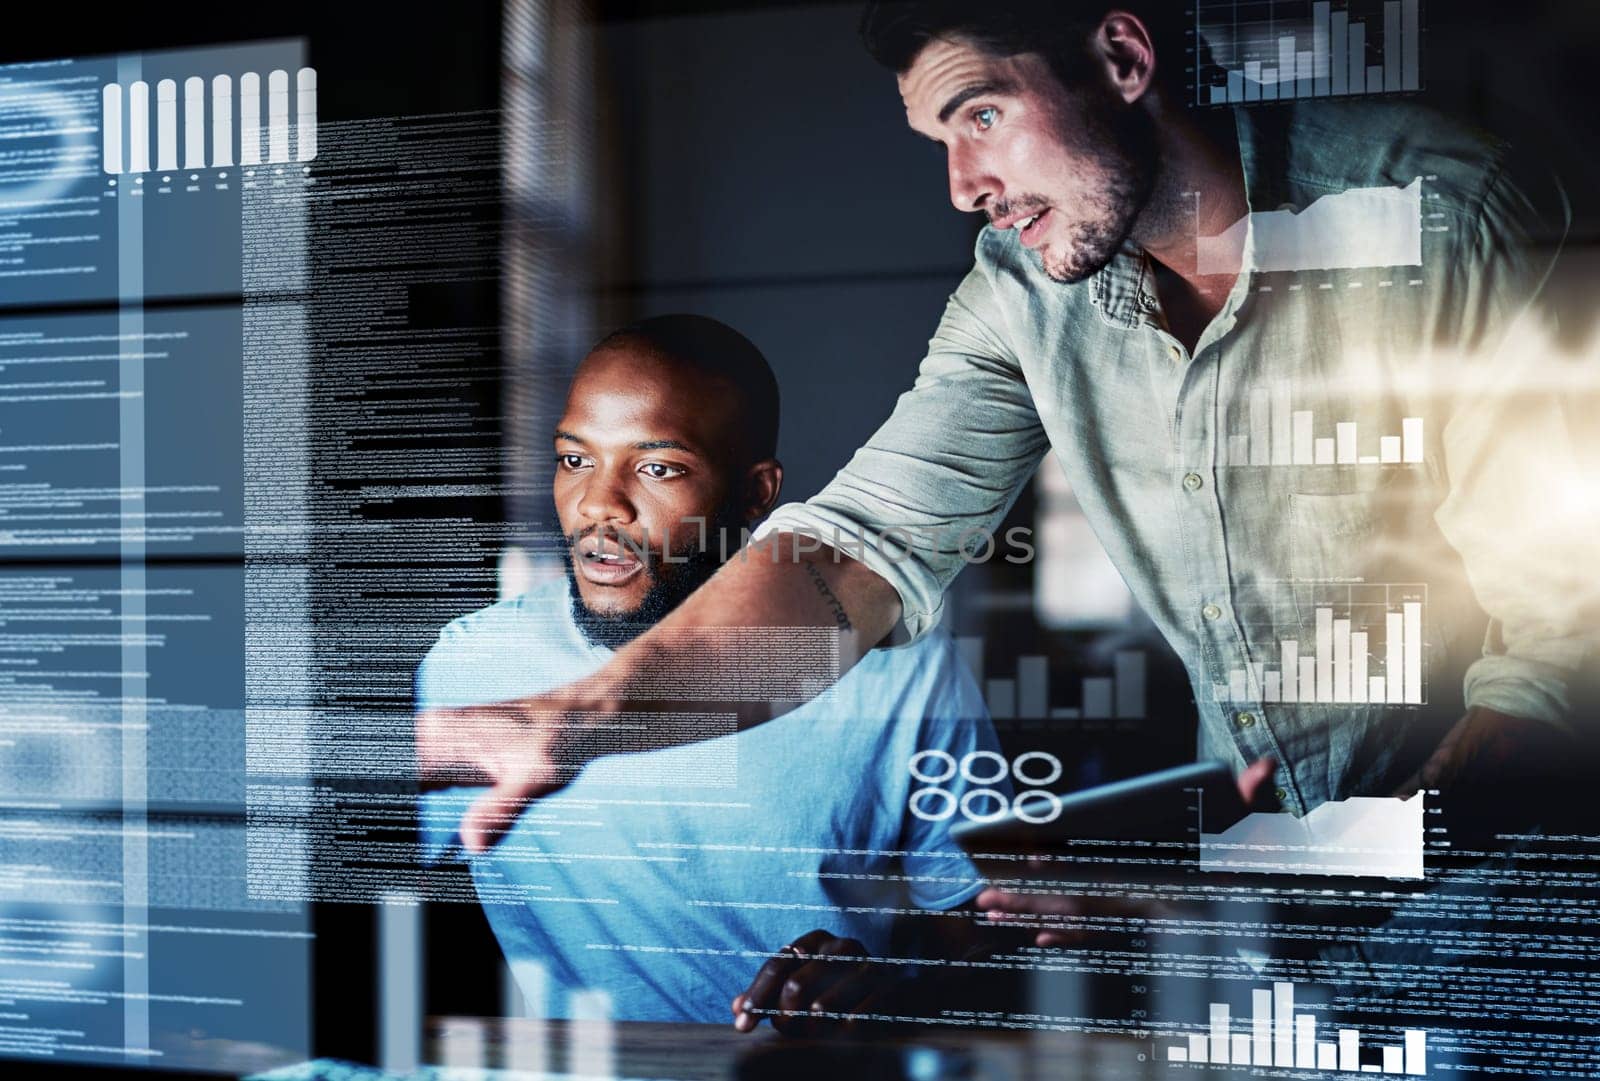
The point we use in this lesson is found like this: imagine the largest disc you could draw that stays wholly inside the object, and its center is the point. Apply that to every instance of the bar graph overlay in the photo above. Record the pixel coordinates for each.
(1360, 837)
(126, 127)
(1349, 230)
(1280, 434)
(1360, 644)
(1280, 50)
(1276, 1035)
(1117, 695)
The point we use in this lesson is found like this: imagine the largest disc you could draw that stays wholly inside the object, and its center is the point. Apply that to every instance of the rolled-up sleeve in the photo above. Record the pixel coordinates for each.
(926, 493)
(1522, 508)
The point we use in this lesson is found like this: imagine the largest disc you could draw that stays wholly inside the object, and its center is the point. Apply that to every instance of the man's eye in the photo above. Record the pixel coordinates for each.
(569, 461)
(985, 117)
(659, 471)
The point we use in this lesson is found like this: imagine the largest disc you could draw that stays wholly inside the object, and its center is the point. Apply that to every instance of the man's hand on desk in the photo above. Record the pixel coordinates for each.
(1021, 909)
(817, 975)
(522, 749)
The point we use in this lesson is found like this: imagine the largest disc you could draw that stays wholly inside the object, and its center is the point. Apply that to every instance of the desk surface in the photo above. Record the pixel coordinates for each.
(683, 1052)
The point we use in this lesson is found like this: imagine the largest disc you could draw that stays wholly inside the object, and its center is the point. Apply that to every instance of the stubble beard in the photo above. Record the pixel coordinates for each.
(1121, 142)
(693, 564)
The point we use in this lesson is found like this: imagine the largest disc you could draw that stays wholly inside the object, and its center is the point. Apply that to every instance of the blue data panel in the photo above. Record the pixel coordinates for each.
(121, 430)
(168, 988)
(135, 933)
(122, 680)
(122, 176)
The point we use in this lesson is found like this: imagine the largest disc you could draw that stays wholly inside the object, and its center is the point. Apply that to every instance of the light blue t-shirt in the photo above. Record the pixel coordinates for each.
(665, 878)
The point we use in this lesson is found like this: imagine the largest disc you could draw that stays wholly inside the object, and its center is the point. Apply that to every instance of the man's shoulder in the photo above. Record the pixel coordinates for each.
(924, 673)
(1338, 145)
(1472, 180)
(542, 610)
(916, 695)
(520, 646)
(933, 650)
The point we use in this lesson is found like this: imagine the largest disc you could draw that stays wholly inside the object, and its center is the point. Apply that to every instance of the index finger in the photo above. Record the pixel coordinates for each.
(1254, 783)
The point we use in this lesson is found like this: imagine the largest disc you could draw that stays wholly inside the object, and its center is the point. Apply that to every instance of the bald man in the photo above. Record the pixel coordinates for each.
(667, 879)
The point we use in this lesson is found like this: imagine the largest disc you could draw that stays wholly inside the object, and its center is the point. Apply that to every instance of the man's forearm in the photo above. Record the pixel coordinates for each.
(774, 626)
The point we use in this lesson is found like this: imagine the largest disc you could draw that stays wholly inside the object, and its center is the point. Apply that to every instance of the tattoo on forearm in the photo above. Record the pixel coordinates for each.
(840, 616)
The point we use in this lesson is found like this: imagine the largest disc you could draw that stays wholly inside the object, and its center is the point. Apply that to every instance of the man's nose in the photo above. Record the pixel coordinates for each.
(972, 187)
(605, 498)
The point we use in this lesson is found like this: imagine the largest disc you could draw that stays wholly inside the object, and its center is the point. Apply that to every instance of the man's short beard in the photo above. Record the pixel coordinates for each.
(693, 564)
(1123, 142)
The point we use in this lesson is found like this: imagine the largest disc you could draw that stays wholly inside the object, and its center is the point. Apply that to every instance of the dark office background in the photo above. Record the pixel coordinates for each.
(763, 175)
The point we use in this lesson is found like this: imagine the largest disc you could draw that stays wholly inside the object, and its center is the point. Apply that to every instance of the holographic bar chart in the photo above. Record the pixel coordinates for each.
(125, 123)
(1280, 50)
(1280, 434)
(1278, 1036)
(1347, 660)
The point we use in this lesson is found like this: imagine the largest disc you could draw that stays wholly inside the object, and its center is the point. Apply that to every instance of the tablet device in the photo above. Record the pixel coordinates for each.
(1164, 811)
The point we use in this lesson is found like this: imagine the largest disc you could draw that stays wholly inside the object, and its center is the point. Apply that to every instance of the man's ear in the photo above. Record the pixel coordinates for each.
(1123, 46)
(762, 482)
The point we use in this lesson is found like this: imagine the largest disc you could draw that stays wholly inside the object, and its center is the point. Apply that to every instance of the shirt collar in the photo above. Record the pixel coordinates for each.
(1124, 290)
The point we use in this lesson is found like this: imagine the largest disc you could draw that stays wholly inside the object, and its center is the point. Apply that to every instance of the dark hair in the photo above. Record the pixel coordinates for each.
(714, 349)
(896, 31)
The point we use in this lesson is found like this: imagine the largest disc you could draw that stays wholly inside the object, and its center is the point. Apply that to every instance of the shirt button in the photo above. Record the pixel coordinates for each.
(1193, 482)
(1246, 720)
(1280, 795)
(1211, 611)
(1177, 353)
